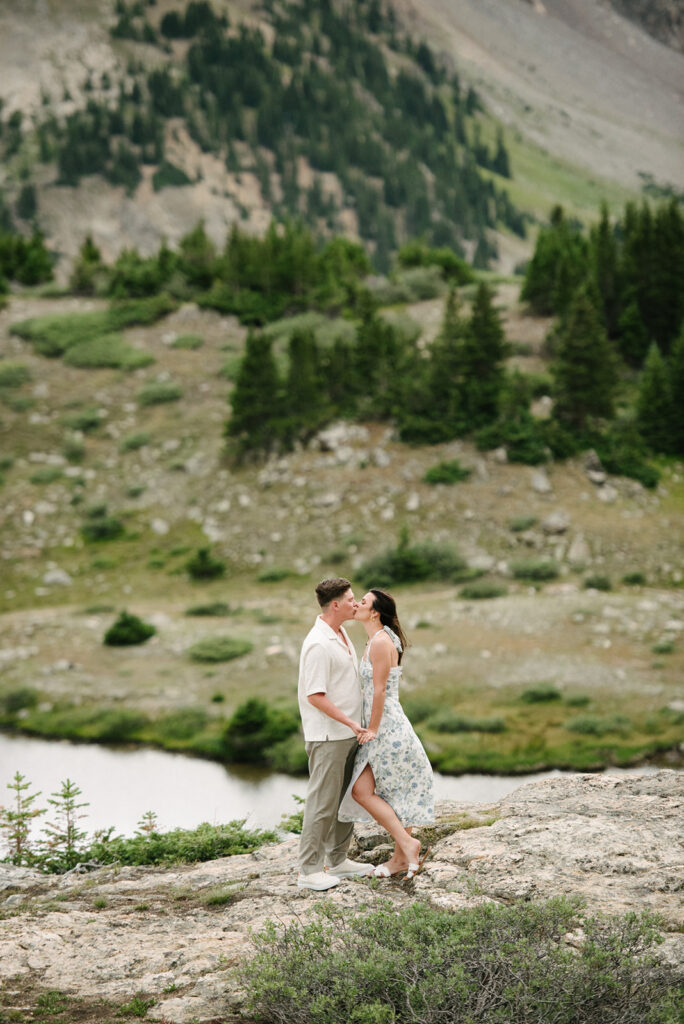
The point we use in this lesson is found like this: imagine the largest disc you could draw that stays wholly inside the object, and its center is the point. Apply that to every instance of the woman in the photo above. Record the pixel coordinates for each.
(392, 779)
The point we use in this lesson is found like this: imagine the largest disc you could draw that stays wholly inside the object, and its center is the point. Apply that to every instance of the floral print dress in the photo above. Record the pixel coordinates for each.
(403, 774)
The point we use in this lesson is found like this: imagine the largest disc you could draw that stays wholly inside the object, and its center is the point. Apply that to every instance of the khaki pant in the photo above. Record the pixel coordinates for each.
(324, 839)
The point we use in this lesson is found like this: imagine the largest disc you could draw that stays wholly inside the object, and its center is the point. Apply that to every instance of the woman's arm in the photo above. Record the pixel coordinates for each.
(382, 663)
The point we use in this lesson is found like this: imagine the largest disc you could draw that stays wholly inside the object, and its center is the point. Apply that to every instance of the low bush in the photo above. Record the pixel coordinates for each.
(414, 563)
(134, 442)
(418, 709)
(128, 630)
(634, 579)
(181, 724)
(537, 571)
(219, 648)
(204, 566)
(18, 699)
(423, 964)
(480, 590)
(13, 375)
(449, 721)
(46, 475)
(288, 756)
(255, 728)
(522, 523)
(158, 392)
(94, 724)
(100, 526)
(597, 583)
(663, 647)
(451, 472)
(73, 450)
(107, 351)
(599, 725)
(217, 608)
(540, 693)
(522, 436)
(86, 421)
(188, 341)
(578, 700)
(274, 574)
(187, 846)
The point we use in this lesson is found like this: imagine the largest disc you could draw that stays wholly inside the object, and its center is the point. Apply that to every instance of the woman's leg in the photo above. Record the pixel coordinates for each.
(407, 849)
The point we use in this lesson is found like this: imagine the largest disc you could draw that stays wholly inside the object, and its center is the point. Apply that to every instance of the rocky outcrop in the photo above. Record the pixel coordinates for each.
(176, 934)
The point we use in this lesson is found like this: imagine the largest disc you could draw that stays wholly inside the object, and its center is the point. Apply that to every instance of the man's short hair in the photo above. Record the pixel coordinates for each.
(330, 590)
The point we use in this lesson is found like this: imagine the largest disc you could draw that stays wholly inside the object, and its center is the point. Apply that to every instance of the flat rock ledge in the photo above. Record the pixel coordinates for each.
(117, 931)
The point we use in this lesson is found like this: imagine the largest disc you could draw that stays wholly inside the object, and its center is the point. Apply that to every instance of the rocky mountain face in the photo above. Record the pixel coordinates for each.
(662, 19)
(104, 934)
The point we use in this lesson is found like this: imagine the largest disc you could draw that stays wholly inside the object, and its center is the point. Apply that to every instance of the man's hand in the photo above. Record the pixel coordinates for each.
(366, 735)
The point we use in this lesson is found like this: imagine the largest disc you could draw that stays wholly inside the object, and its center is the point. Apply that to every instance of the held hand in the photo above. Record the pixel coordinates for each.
(368, 735)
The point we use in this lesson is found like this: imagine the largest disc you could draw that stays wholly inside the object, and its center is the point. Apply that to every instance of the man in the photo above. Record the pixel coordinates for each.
(331, 707)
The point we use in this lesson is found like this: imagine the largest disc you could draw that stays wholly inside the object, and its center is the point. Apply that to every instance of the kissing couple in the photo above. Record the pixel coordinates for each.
(357, 771)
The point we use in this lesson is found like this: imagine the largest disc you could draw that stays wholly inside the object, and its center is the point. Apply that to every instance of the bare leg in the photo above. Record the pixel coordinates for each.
(407, 848)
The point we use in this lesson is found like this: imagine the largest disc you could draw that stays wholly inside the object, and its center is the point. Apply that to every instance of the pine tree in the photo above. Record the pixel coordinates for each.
(633, 337)
(256, 399)
(585, 370)
(482, 354)
(604, 261)
(304, 403)
(445, 375)
(676, 374)
(654, 404)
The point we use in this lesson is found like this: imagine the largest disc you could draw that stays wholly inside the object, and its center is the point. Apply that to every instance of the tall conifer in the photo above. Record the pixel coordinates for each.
(483, 353)
(676, 373)
(256, 400)
(585, 371)
(654, 405)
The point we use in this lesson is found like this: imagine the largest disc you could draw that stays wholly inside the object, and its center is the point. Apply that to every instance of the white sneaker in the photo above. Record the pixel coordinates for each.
(352, 869)
(318, 880)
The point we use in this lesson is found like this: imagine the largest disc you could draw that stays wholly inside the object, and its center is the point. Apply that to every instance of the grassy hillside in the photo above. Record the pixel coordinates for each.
(546, 674)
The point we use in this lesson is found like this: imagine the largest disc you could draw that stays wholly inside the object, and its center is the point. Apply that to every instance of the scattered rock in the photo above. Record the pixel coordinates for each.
(57, 578)
(500, 455)
(413, 502)
(579, 552)
(557, 522)
(608, 494)
(540, 482)
(159, 526)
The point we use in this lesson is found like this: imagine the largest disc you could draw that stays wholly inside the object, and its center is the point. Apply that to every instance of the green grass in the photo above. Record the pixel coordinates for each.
(46, 475)
(133, 442)
(450, 472)
(13, 375)
(52, 335)
(188, 341)
(107, 351)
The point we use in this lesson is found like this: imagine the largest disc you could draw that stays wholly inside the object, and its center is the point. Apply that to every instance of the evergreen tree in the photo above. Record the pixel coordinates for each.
(604, 267)
(482, 360)
(304, 403)
(654, 404)
(445, 374)
(585, 370)
(676, 373)
(256, 399)
(633, 339)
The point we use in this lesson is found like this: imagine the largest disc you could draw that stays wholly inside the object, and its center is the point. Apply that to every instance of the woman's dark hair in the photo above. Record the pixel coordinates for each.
(385, 605)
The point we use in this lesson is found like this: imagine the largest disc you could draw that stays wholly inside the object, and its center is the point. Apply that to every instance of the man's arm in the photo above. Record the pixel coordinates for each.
(322, 702)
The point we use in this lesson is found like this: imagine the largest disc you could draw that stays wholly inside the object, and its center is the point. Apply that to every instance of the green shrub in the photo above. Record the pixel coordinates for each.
(46, 475)
(663, 647)
(217, 608)
(522, 436)
(99, 526)
(481, 589)
(73, 450)
(204, 566)
(417, 709)
(52, 335)
(254, 728)
(534, 570)
(451, 472)
(598, 725)
(597, 583)
(185, 846)
(188, 341)
(181, 724)
(219, 648)
(449, 721)
(577, 700)
(274, 574)
(169, 176)
(134, 442)
(107, 351)
(488, 964)
(6, 462)
(522, 523)
(18, 699)
(128, 630)
(85, 420)
(95, 724)
(288, 756)
(158, 392)
(634, 579)
(13, 375)
(415, 563)
(540, 693)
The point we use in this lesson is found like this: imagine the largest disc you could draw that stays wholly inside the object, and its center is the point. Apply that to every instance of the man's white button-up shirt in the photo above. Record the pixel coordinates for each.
(328, 665)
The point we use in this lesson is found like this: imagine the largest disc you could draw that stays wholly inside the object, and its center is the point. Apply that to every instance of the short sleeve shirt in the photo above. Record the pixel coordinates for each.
(328, 665)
